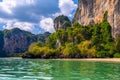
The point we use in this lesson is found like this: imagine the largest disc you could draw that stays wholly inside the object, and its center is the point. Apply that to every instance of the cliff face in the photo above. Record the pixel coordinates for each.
(92, 11)
(61, 22)
(16, 40)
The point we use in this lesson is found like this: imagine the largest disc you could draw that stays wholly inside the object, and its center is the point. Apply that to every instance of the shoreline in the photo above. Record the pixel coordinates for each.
(75, 59)
(93, 59)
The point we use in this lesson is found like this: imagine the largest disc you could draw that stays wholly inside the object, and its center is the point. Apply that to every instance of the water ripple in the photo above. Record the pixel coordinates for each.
(22, 69)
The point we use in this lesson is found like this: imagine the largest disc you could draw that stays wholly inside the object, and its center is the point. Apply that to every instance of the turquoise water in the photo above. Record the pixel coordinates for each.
(22, 69)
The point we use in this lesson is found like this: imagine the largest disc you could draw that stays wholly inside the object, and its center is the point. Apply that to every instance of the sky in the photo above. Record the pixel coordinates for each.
(35, 16)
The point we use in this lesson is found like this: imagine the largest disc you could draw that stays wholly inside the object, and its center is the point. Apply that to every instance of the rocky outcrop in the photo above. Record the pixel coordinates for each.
(61, 22)
(16, 40)
(58, 43)
(92, 12)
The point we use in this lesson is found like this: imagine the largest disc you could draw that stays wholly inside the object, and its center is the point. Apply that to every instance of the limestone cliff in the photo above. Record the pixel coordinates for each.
(16, 40)
(61, 22)
(92, 11)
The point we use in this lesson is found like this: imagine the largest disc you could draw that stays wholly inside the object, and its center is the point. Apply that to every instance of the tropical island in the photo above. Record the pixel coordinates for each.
(77, 41)
(60, 40)
(84, 36)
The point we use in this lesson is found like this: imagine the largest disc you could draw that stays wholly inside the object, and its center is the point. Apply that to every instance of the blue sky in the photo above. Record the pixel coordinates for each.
(35, 16)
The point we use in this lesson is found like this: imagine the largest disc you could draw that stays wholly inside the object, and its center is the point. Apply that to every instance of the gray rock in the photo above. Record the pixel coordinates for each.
(17, 41)
(61, 22)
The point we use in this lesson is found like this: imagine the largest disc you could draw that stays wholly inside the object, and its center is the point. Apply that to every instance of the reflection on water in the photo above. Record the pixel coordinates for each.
(22, 69)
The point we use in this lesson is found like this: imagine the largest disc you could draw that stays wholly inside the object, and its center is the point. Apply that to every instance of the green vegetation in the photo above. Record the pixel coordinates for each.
(71, 51)
(117, 55)
(42, 37)
(92, 41)
(37, 50)
(87, 49)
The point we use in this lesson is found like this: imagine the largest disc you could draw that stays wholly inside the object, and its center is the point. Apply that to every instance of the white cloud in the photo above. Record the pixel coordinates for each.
(22, 25)
(26, 14)
(14, 3)
(1, 20)
(47, 24)
(66, 7)
(8, 5)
